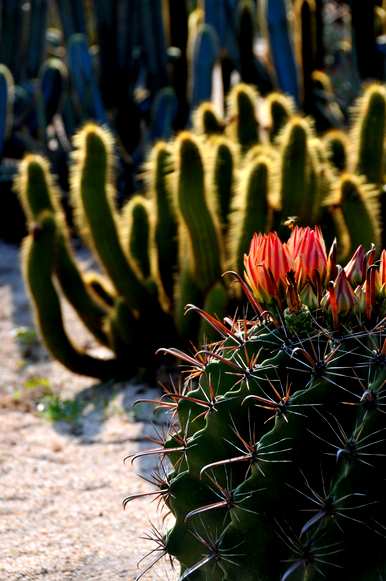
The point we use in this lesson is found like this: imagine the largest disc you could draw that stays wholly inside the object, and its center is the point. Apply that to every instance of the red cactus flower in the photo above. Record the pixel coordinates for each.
(298, 275)
(355, 269)
(381, 282)
(308, 252)
(341, 297)
(266, 267)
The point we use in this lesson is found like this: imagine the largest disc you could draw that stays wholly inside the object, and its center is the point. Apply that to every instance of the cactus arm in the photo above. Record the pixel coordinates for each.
(136, 233)
(223, 179)
(336, 144)
(243, 124)
(163, 236)
(38, 268)
(7, 93)
(360, 207)
(36, 44)
(38, 194)
(92, 198)
(80, 66)
(11, 45)
(205, 53)
(153, 43)
(199, 219)
(251, 211)
(369, 134)
(281, 46)
(295, 171)
(163, 114)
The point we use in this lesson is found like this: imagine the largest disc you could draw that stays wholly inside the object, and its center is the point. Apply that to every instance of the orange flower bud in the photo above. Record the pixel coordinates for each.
(341, 298)
(355, 269)
(266, 267)
(308, 252)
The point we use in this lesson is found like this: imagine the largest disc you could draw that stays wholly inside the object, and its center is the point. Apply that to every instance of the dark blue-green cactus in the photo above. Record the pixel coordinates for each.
(205, 54)
(6, 105)
(281, 47)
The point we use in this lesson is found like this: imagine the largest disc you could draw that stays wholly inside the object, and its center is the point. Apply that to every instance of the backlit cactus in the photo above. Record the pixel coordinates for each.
(261, 167)
(273, 464)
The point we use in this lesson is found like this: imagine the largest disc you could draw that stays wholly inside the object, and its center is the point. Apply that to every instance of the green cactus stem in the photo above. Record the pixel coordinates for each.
(38, 267)
(196, 213)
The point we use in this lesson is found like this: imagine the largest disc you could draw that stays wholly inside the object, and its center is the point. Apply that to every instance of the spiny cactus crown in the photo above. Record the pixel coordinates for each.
(273, 465)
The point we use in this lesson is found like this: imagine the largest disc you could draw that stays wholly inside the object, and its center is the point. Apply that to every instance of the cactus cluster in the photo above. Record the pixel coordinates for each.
(142, 67)
(273, 463)
(207, 192)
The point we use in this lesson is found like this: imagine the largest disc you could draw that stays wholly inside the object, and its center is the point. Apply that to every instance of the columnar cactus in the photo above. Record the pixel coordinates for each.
(273, 465)
(263, 166)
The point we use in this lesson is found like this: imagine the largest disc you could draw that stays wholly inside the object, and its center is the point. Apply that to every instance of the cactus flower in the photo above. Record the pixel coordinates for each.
(266, 267)
(355, 269)
(300, 274)
(307, 250)
(341, 297)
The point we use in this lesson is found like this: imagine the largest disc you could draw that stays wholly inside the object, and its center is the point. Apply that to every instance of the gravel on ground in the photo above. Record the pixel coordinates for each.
(62, 483)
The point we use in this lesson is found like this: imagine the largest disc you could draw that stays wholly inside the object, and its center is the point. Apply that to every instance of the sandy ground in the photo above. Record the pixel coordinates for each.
(62, 484)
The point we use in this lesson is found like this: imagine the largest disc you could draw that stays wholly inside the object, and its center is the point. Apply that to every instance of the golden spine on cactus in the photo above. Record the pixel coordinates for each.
(36, 188)
(279, 109)
(222, 165)
(206, 120)
(337, 146)
(321, 177)
(135, 229)
(243, 125)
(297, 197)
(359, 203)
(368, 134)
(186, 290)
(197, 211)
(93, 200)
(38, 193)
(100, 288)
(322, 84)
(6, 74)
(38, 262)
(251, 208)
(163, 234)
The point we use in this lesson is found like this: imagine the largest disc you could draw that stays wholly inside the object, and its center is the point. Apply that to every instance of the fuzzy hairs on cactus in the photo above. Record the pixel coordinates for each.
(243, 124)
(197, 212)
(279, 110)
(163, 224)
(337, 146)
(369, 134)
(93, 199)
(38, 194)
(7, 95)
(38, 260)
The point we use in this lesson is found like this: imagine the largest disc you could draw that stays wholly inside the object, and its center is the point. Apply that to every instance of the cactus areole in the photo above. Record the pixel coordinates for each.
(274, 463)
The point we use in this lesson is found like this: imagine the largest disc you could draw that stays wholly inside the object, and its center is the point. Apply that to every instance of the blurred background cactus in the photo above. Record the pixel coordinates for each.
(141, 68)
(206, 192)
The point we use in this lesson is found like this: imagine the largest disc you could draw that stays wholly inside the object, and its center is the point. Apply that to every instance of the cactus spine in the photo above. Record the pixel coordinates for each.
(276, 467)
(369, 134)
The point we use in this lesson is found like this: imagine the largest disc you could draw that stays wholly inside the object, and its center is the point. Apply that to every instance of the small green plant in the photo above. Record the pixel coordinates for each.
(55, 409)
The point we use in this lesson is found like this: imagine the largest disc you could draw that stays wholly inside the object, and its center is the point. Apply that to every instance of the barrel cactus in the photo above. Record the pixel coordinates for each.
(274, 463)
